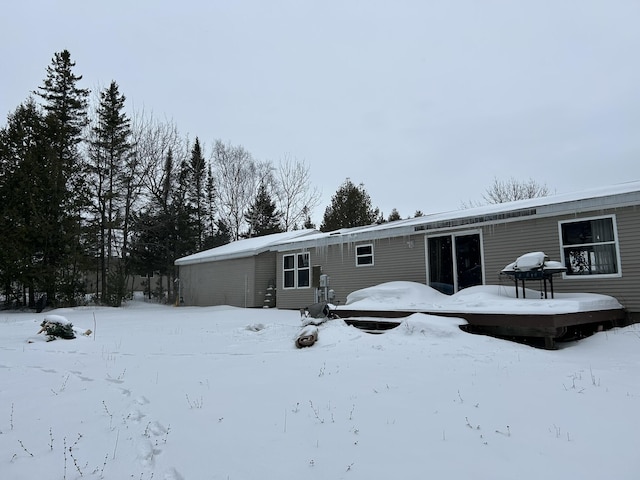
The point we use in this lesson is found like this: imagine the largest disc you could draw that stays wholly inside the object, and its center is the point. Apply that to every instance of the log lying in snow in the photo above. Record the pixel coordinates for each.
(307, 336)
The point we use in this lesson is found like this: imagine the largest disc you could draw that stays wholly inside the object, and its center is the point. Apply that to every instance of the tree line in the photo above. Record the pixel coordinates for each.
(85, 187)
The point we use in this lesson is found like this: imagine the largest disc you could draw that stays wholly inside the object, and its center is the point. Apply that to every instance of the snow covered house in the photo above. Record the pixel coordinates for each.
(595, 234)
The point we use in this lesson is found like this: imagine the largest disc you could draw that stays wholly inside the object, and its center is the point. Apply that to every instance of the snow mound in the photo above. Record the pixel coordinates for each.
(502, 299)
(57, 319)
(430, 326)
(395, 296)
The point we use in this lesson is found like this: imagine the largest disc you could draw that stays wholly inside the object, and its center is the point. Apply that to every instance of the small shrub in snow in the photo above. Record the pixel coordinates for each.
(57, 326)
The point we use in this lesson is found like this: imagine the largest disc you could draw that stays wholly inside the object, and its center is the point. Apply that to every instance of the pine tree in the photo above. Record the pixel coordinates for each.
(350, 207)
(197, 195)
(65, 107)
(210, 210)
(186, 229)
(308, 223)
(109, 152)
(23, 198)
(394, 215)
(222, 235)
(262, 216)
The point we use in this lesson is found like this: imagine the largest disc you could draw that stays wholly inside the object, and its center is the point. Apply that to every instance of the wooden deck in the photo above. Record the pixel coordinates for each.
(541, 328)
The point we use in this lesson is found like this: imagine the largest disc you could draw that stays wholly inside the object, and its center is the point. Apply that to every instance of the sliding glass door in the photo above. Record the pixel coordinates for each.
(454, 262)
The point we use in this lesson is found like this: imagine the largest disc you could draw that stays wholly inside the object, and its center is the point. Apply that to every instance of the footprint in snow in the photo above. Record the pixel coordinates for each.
(172, 474)
(135, 415)
(156, 429)
(146, 452)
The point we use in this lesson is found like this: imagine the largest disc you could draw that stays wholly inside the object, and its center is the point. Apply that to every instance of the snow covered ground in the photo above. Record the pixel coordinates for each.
(222, 393)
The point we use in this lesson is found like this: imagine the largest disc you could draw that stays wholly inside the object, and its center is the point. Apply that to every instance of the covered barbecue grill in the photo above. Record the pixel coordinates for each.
(533, 266)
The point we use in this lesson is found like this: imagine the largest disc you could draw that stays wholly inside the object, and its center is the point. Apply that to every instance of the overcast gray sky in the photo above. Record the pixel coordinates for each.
(425, 102)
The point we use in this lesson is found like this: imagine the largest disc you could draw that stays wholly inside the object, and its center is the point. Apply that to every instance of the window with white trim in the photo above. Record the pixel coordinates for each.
(589, 247)
(364, 255)
(296, 270)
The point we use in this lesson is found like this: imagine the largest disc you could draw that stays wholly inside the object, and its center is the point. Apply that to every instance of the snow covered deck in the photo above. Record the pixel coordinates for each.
(489, 309)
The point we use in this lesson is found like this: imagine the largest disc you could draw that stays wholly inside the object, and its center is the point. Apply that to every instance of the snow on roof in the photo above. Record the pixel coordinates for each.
(601, 196)
(614, 195)
(244, 248)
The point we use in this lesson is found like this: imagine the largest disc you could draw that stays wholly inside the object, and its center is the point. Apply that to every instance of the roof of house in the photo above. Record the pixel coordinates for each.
(243, 248)
(623, 194)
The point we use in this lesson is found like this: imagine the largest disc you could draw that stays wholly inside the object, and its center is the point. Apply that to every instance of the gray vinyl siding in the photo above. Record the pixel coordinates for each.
(265, 273)
(503, 243)
(225, 282)
(403, 258)
(627, 288)
(397, 258)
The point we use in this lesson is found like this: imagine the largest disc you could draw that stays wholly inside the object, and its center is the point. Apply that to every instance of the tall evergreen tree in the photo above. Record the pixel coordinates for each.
(23, 198)
(350, 207)
(262, 216)
(65, 107)
(186, 229)
(109, 152)
(197, 190)
(210, 227)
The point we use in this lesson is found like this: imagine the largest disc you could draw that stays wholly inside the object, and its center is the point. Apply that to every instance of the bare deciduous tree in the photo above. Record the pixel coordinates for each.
(294, 193)
(153, 140)
(236, 175)
(502, 191)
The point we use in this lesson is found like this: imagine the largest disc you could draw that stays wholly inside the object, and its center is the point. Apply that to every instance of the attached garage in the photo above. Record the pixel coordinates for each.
(240, 274)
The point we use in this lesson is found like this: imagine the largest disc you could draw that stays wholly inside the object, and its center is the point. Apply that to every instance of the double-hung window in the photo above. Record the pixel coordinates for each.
(364, 255)
(296, 270)
(589, 247)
